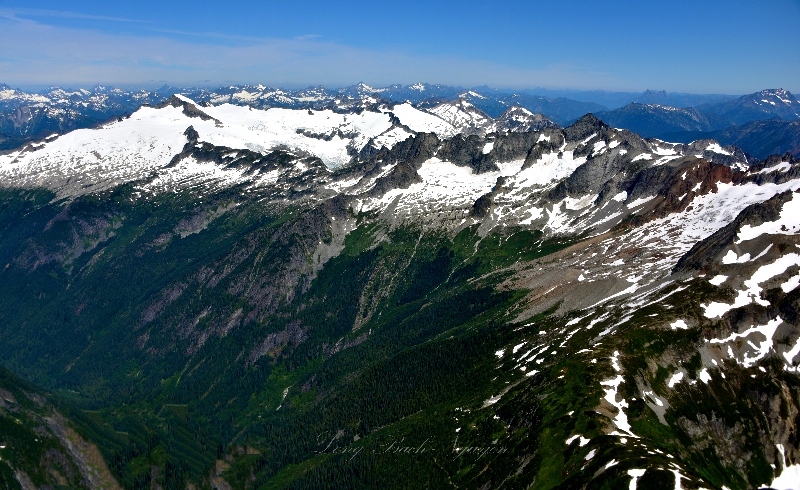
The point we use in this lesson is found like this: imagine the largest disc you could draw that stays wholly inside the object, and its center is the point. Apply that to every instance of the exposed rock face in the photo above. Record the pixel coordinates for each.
(400, 177)
(41, 447)
(292, 336)
(584, 127)
(412, 151)
(483, 206)
(29, 121)
(70, 234)
(189, 109)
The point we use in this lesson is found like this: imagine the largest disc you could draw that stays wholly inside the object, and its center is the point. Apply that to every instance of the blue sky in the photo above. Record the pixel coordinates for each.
(701, 47)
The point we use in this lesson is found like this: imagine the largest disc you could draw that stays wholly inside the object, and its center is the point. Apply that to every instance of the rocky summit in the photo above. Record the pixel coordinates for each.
(386, 294)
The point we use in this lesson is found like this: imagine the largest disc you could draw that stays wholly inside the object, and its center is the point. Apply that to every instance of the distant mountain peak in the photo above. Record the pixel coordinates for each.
(361, 89)
(783, 95)
(519, 119)
(471, 93)
(653, 97)
(765, 104)
(518, 110)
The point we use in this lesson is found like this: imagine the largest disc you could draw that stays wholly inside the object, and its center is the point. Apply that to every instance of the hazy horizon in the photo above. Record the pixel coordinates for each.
(157, 84)
(622, 46)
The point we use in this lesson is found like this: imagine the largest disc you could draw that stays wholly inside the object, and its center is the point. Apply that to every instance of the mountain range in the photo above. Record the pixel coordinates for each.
(761, 138)
(365, 293)
(30, 116)
(762, 124)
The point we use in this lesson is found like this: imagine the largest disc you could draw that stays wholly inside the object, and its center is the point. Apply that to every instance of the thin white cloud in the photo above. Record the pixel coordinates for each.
(16, 13)
(36, 53)
(208, 35)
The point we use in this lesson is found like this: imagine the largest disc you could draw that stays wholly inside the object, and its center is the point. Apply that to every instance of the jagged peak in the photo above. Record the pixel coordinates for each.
(584, 127)
(588, 119)
(190, 109)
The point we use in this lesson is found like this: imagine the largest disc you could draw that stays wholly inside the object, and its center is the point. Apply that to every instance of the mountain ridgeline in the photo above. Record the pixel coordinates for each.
(28, 117)
(395, 295)
(763, 124)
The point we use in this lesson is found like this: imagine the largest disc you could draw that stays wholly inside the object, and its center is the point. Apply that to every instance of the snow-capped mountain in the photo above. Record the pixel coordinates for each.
(132, 148)
(99, 102)
(520, 120)
(85, 108)
(10, 97)
(463, 115)
(585, 306)
(28, 116)
(766, 104)
(144, 142)
(414, 93)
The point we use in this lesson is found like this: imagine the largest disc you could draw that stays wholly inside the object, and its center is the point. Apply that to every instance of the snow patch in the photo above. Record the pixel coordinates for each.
(789, 478)
(679, 324)
(635, 474)
(781, 167)
(675, 379)
(621, 419)
(753, 291)
(715, 148)
(718, 279)
(638, 202)
(732, 258)
(787, 224)
(576, 204)
(763, 347)
(791, 284)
